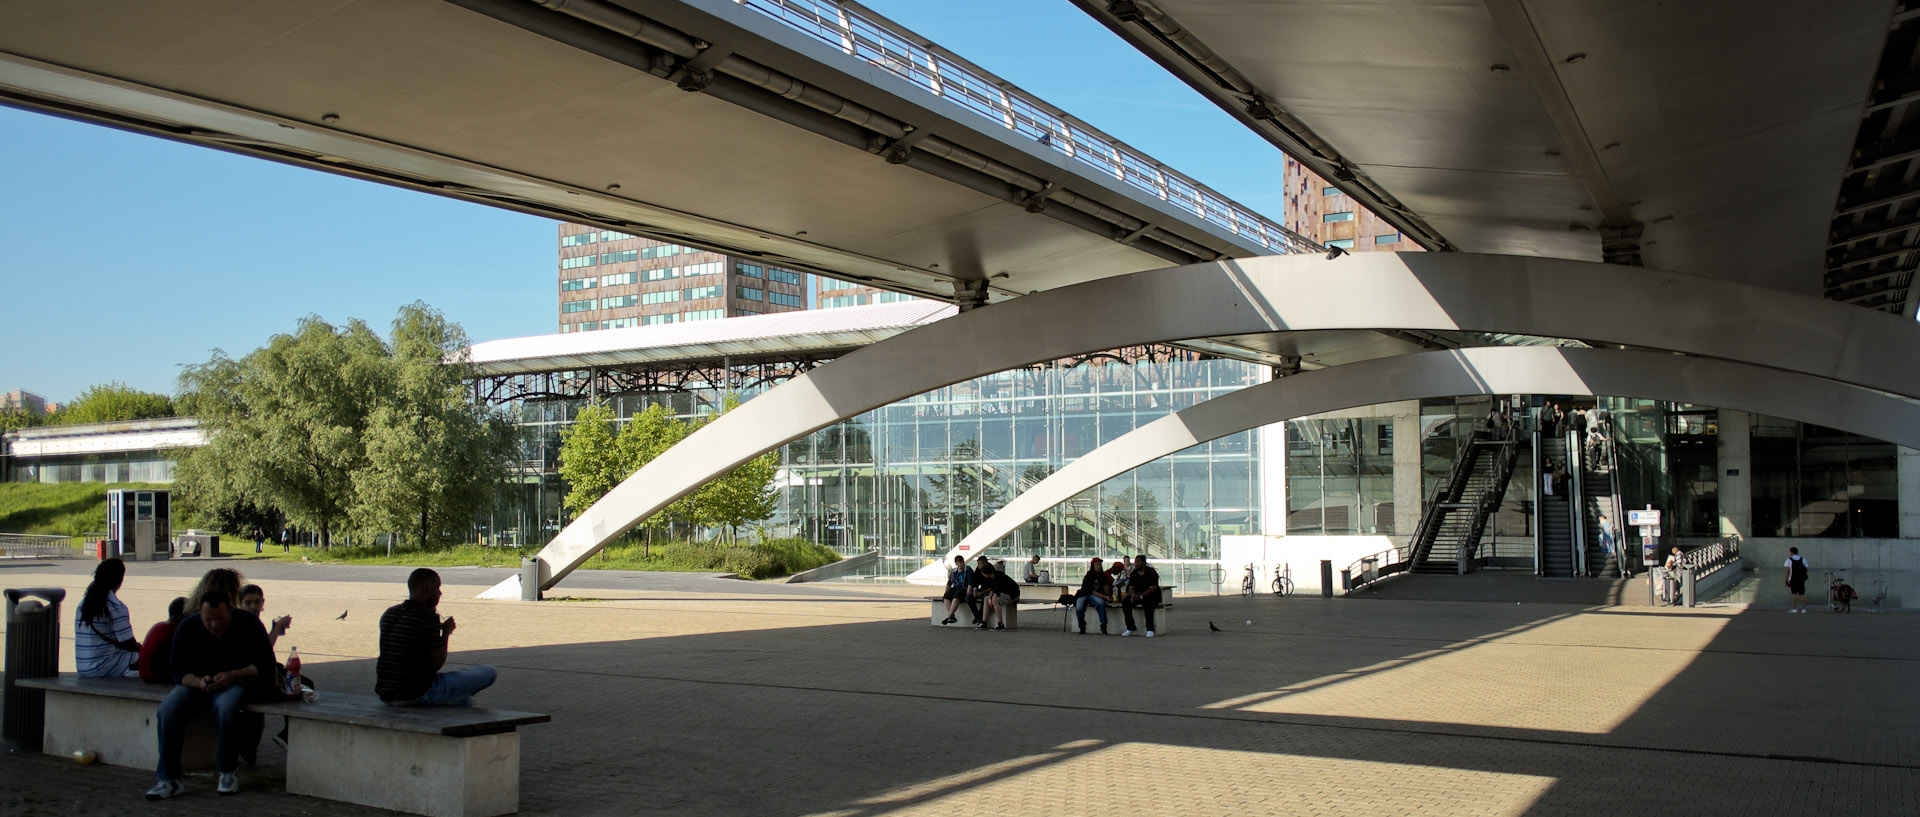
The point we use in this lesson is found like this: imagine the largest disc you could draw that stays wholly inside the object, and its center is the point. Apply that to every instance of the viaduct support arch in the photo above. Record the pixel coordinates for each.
(1435, 291)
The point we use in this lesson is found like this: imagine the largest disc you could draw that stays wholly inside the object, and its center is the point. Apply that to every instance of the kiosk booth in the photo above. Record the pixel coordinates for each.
(139, 525)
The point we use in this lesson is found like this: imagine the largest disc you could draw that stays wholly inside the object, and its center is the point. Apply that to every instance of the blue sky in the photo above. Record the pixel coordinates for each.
(124, 257)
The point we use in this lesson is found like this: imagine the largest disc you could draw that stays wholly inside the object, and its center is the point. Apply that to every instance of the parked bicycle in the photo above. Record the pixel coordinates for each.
(1246, 584)
(1283, 580)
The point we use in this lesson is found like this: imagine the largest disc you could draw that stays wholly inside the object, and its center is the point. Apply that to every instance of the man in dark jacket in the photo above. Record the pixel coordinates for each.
(1002, 593)
(218, 653)
(1096, 591)
(413, 648)
(1143, 586)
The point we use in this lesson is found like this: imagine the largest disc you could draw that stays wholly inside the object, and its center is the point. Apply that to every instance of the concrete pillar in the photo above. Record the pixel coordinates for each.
(1736, 474)
(1273, 479)
(1907, 469)
(1406, 469)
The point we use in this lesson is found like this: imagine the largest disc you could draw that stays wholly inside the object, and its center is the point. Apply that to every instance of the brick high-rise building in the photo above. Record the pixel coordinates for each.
(610, 280)
(1318, 210)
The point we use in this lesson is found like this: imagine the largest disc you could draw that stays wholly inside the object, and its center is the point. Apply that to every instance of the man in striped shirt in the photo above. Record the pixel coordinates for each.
(413, 648)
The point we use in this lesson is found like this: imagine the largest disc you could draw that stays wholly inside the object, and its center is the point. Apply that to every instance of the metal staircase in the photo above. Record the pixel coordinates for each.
(1457, 514)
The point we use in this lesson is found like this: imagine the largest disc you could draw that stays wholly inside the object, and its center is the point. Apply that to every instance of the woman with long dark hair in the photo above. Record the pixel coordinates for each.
(103, 645)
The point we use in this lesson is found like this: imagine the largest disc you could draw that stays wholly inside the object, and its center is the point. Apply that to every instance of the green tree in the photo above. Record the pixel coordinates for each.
(113, 402)
(434, 457)
(647, 435)
(740, 496)
(591, 458)
(14, 417)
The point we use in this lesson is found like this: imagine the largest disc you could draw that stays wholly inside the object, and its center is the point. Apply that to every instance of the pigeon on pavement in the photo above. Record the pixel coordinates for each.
(1211, 627)
(343, 614)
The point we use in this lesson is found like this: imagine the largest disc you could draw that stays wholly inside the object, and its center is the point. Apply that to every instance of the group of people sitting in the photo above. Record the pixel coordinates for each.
(217, 652)
(988, 591)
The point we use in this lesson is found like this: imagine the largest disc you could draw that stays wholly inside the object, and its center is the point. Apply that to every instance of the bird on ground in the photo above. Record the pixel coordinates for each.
(1211, 627)
(343, 615)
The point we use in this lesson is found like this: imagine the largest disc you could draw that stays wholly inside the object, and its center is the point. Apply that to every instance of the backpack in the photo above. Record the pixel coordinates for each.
(1799, 573)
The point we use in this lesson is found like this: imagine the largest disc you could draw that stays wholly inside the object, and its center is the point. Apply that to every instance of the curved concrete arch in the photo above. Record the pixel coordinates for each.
(1491, 371)
(1436, 291)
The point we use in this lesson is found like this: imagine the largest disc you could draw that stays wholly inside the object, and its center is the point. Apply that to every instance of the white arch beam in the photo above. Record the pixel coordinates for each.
(1434, 291)
(1490, 371)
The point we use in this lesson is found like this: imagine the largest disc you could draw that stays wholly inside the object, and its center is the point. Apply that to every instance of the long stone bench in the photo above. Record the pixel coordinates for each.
(439, 761)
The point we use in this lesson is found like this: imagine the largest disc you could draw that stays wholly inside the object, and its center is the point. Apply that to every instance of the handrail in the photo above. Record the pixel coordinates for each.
(943, 74)
(1539, 516)
(1619, 513)
(1577, 502)
(1708, 558)
(1386, 563)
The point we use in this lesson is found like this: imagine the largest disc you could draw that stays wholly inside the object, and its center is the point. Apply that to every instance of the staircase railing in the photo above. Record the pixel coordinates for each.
(1619, 514)
(1490, 501)
(1577, 502)
(1385, 563)
(1539, 514)
(1429, 528)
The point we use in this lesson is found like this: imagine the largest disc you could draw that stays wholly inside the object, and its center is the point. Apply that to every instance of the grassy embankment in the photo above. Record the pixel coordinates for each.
(752, 560)
(66, 508)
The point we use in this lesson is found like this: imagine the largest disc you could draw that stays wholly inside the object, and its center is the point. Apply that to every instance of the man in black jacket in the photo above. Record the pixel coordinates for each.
(1002, 593)
(217, 653)
(1096, 591)
(1143, 586)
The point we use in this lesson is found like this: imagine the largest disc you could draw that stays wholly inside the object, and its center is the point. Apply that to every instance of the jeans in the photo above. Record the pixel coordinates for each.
(180, 707)
(1098, 604)
(456, 688)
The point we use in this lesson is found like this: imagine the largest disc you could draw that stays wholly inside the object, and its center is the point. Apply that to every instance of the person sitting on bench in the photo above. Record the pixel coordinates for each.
(1143, 585)
(1096, 591)
(1002, 594)
(217, 653)
(413, 648)
(959, 581)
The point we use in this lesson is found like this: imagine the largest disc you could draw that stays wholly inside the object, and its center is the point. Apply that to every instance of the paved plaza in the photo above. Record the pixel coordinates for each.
(677, 694)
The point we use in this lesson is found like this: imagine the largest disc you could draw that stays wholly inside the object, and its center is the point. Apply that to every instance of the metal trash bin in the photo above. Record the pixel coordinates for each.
(33, 651)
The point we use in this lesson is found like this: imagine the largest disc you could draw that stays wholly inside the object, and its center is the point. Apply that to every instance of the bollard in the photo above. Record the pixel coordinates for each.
(529, 578)
(1686, 585)
(33, 651)
(1326, 578)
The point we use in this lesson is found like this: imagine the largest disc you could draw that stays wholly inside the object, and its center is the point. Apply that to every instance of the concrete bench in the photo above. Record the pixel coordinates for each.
(1117, 622)
(440, 761)
(963, 614)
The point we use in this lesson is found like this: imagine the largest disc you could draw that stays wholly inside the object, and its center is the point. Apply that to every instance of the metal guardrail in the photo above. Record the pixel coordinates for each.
(1384, 564)
(1709, 558)
(43, 546)
(901, 53)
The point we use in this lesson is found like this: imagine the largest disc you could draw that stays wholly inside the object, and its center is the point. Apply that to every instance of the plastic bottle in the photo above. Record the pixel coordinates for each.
(293, 670)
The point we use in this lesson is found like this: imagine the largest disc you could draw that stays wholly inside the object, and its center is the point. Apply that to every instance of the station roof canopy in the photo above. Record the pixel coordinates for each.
(807, 333)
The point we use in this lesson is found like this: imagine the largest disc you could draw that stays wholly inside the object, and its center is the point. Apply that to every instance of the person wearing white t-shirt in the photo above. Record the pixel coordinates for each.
(1797, 570)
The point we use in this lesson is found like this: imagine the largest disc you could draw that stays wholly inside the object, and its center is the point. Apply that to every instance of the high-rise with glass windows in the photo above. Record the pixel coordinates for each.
(611, 280)
(1318, 210)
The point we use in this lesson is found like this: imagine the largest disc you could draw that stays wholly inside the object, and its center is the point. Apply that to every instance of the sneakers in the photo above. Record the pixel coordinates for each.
(1126, 632)
(166, 790)
(1149, 633)
(1083, 629)
(946, 621)
(1103, 629)
(228, 784)
(981, 626)
(999, 627)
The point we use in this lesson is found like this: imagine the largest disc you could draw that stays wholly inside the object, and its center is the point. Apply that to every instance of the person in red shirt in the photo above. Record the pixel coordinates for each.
(156, 650)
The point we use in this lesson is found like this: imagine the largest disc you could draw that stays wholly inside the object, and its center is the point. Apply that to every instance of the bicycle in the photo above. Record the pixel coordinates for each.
(1283, 580)
(1246, 584)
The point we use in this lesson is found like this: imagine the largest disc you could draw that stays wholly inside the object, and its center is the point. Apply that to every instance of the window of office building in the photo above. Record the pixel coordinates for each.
(662, 251)
(619, 323)
(842, 300)
(619, 278)
(572, 284)
(749, 293)
(835, 283)
(749, 270)
(1333, 217)
(709, 291)
(619, 257)
(703, 314)
(708, 268)
(1389, 238)
(583, 326)
(660, 274)
(1342, 243)
(579, 240)
(1339, 478)
(579, 261)
(609, 235)
(1330, 191)
(784, 276)
(619, 301)
(651, 320)
(892, 297)
(668, 296)
(741, 313)
(577, 306)
(1814, 481)
(784, 299)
